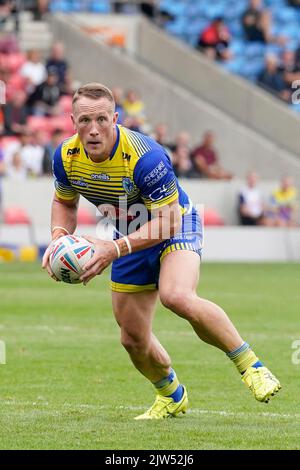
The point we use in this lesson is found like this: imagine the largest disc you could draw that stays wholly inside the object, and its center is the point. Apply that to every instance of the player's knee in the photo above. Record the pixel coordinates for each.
(178, 301)
(134, 343)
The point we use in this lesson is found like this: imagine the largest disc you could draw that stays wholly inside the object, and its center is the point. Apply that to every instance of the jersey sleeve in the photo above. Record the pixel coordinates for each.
(63, 189)
(155, 178)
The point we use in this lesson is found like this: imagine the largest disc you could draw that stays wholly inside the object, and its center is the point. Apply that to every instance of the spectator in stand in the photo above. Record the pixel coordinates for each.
(32, 153)
(58, 63)
(289, 70)
(283, 209)
(256, 22)
(181, 139)
(160, 135)
(250, 203)
(15, 113)
(16, 170)
(34, 71)
(6, 7)
(9, 44)
(134, 109)
(43, 101)
(37, 7)
(214, 40)
(182, 163)
(294, 3)
(56, 139)
(118, 96)
(271, 78)
(206, 161)
(149, 9)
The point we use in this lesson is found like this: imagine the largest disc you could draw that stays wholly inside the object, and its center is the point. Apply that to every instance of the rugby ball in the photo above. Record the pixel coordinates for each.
(68, 256)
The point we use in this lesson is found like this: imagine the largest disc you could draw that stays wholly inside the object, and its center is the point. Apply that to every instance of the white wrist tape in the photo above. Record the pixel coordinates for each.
(128, 244)
(117, 248)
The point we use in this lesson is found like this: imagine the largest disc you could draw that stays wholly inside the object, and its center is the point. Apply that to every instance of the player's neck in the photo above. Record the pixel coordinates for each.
(99, 159)
(102, 158)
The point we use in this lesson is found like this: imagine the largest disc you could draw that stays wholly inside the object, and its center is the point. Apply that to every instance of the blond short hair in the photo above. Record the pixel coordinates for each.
(95, 91)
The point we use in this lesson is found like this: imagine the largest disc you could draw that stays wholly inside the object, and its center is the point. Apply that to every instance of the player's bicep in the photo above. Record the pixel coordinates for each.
(156, 180)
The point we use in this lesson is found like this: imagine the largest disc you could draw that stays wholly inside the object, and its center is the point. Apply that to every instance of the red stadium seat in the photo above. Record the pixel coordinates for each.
(212, 218)
(6, 140)
(19, 216)
(38, 123)
(85, 217)
(16, 215)
(62, 122)
(65, 104)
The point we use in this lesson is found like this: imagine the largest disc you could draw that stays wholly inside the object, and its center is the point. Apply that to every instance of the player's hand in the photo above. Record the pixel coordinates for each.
(45, 261)
(105, 254)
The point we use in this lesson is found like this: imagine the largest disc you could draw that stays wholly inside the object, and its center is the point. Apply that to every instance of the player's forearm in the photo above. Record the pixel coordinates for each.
(157, 230)
(63, 216)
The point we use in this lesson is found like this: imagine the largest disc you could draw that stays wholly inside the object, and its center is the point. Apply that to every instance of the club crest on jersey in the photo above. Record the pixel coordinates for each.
(128, 185)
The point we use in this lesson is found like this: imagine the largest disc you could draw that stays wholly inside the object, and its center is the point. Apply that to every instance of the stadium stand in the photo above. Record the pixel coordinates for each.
(236, 113)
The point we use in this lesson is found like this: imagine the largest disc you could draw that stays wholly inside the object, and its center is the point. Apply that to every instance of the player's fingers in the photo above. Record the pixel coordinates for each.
(51, 274)
(46, 258)
(92, 272)
(91, 263)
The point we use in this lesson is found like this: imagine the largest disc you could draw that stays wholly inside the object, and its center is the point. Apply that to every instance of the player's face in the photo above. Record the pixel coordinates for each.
(95, 121)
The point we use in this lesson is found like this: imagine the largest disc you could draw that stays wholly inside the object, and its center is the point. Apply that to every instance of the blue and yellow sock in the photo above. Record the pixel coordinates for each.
(243, 357)
(170, 387)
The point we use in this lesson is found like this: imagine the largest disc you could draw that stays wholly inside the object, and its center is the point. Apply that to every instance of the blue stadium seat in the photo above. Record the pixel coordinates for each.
(284, 15)
(102, 6)
(236, 29)
(254, 49)
(235, 65)
(177, 27)
(252, 68)
(237, 46)
(175, 7)
(64, 6)
(213, 10)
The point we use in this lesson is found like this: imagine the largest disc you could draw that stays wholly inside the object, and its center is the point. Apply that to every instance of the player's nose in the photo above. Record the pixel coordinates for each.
(94, 129)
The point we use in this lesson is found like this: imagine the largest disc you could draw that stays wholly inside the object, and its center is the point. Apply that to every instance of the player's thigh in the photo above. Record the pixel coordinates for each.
(179, 274)
(134, 312)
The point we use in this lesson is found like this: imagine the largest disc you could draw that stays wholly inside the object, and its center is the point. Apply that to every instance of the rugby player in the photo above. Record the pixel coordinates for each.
(129, 176)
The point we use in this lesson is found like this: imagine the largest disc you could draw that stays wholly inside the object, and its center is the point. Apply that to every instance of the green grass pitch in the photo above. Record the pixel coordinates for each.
(68, 384)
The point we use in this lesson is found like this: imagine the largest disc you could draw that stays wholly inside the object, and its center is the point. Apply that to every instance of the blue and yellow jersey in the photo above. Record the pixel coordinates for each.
(138, 171)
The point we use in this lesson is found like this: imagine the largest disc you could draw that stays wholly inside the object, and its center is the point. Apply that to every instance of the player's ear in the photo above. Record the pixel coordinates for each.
(115, 118)
(73, 121)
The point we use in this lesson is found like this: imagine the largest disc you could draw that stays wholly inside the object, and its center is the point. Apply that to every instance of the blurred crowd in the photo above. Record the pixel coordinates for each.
(280, 209)
(281, 64)
(36, 116)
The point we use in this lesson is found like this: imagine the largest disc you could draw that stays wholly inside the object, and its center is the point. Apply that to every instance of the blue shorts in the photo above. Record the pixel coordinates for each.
(140, 271)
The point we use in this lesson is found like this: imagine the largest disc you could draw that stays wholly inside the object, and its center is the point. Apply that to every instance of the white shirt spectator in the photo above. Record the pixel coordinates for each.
(32, 158)
(252, 198)
(35, 73)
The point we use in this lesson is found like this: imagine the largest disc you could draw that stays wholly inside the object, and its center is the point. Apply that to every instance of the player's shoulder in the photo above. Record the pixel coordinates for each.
(71, 147)
(139, 143)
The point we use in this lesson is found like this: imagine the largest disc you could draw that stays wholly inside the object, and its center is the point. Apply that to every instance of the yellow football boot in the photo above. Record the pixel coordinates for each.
(166, 407)
(262, 383)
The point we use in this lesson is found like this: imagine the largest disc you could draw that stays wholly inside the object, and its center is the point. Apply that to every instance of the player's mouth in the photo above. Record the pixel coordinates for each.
(94, 142)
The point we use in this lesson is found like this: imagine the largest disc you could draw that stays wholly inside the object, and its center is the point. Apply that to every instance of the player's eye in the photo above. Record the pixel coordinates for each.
(101, 119)
(84, 120)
